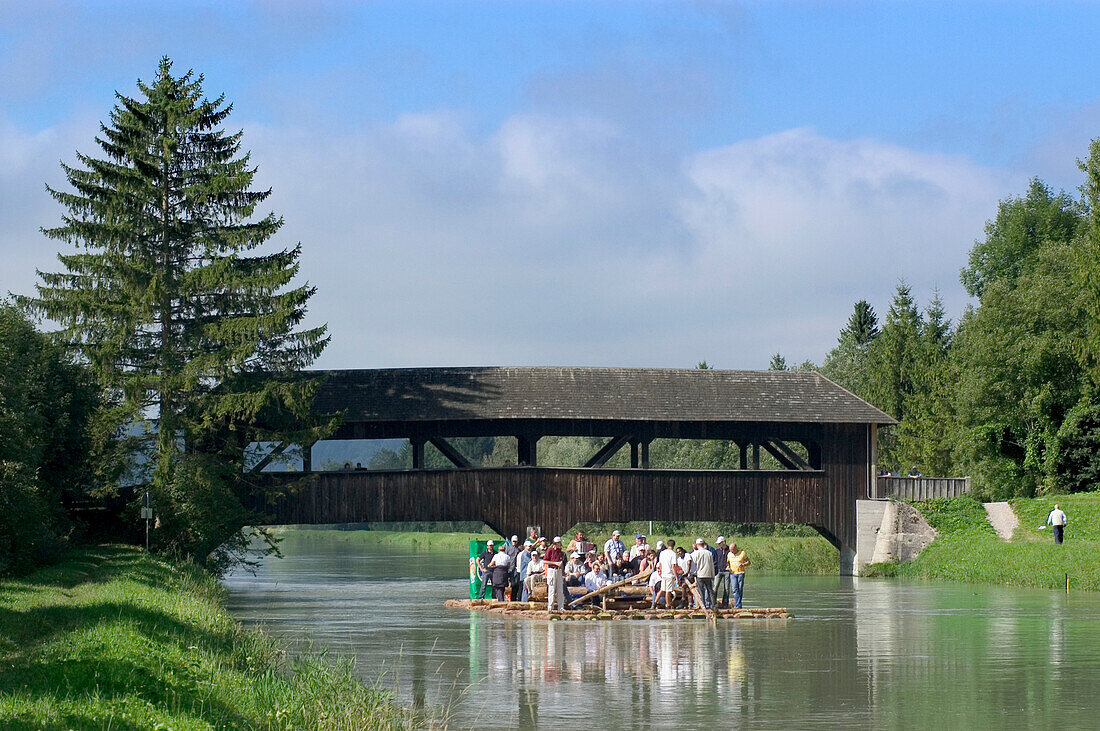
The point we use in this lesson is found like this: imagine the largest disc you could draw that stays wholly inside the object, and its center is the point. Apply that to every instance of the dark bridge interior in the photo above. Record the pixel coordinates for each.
(820, 434)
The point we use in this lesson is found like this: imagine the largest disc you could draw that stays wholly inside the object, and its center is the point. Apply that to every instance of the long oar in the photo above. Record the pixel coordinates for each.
(608, 587)
(699, 602)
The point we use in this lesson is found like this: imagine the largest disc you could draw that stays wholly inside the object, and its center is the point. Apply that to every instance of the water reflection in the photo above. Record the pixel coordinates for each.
(866, 653)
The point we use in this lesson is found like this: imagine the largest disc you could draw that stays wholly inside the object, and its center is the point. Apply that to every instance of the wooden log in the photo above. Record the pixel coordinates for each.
(608, 587)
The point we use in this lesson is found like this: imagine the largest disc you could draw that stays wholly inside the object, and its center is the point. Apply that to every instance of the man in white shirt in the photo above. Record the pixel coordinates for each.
(1057, 521)
(666, 564)
(499, 568)
(703, 560)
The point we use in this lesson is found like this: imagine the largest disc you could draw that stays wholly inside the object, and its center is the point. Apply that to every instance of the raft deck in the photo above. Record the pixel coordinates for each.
(537, 610)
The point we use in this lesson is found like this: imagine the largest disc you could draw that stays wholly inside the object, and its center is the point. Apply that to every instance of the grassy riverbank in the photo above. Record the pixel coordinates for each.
(798, 554)
(114, 638)
(967, 548)
(293, 537)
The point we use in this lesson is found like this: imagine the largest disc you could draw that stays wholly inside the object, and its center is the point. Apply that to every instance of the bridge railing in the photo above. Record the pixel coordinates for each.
(920, 488)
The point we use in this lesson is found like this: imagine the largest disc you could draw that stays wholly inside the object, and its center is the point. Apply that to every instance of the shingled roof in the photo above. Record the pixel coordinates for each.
(618, 394)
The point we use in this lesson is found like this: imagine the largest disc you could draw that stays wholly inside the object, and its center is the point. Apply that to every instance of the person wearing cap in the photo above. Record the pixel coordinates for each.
(512, 548)
(640, 547)
(535, 569)
(722, 578)
(737, 561)
(575, 569)
(613, 547)
(500, 567)
(483, 560)
(519, 586)
(555, 587)
(703, 561)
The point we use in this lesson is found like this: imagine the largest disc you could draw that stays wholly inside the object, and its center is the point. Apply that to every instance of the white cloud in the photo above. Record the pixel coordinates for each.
(559, 240)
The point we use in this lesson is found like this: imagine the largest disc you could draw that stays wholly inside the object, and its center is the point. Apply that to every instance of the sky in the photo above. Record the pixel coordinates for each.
(583, 183)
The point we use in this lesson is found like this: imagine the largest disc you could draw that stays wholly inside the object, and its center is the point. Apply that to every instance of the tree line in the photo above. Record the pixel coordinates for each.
(1007, 394)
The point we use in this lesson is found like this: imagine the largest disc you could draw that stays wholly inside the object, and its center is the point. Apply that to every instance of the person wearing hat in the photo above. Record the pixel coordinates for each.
(575, 569)
(483, 560)
(722, 578)
(703, 561)
(500, 567)
(512, 548)
(640, 547)
(613, 547)
(519, 586)
(535, 569)
(555, 586)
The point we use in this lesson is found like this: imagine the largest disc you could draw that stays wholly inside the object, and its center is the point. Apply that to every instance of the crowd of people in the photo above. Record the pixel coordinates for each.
(714, 572)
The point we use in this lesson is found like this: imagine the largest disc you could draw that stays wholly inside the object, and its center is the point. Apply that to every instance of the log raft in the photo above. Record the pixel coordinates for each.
(537, 610)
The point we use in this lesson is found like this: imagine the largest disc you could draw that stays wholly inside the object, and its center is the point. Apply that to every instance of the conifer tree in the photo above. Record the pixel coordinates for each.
(172, 303)
(863, 324)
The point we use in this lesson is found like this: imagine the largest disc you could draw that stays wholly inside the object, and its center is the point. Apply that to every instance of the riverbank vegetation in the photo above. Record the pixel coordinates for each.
(967, 549)
(291, 538)
(46, 404)
(780, 549)
(114, 638)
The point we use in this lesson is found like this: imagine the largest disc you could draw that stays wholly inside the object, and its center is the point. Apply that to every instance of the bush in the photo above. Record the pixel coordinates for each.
(27, 536)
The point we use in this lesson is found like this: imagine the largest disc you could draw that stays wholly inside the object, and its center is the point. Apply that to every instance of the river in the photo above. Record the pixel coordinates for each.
(870, 653)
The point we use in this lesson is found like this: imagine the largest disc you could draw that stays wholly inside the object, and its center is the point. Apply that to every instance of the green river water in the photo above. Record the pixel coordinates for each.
(865, 653)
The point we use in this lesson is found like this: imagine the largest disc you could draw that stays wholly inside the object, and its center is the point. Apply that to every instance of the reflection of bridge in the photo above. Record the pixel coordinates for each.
(819, 435)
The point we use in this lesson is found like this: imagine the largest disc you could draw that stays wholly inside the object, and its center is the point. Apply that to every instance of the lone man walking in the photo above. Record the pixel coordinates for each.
(1057, 521)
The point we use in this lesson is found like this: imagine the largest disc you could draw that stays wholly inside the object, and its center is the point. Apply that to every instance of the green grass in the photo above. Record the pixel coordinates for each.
(114, 638)
(293, 537)
(967, 549)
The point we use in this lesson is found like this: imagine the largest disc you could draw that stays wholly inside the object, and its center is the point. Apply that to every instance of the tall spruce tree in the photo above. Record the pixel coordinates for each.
(173, 306)
(863, 324)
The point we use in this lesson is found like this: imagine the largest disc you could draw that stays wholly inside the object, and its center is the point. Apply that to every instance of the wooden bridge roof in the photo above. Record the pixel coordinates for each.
(597, 394)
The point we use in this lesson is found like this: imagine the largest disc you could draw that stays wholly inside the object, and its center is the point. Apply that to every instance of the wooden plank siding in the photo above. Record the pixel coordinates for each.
(921, 488)
(510, 498)
(846, 462)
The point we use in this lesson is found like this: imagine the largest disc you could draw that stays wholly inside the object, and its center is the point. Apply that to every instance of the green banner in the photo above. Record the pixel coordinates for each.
(477, 576)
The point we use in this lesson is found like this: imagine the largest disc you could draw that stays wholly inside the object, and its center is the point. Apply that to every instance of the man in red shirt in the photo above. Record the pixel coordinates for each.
(555, 586)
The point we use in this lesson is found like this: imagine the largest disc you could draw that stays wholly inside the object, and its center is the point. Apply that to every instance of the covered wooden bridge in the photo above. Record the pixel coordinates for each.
(820, 436)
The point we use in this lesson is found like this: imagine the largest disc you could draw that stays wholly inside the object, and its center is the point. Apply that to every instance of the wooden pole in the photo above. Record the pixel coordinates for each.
(608, 587)
(699, 601)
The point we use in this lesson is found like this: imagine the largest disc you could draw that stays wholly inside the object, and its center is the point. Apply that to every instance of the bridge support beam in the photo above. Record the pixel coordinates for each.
(527, 450)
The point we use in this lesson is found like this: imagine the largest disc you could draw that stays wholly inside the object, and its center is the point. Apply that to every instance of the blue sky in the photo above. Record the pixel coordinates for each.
(585, 183)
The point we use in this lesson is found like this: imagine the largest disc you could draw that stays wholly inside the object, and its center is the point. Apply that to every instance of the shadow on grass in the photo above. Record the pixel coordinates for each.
(31, 628)
(83, 566)
(163, 688)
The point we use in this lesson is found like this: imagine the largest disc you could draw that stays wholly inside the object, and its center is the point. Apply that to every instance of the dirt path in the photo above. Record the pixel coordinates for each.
(1002, 518)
